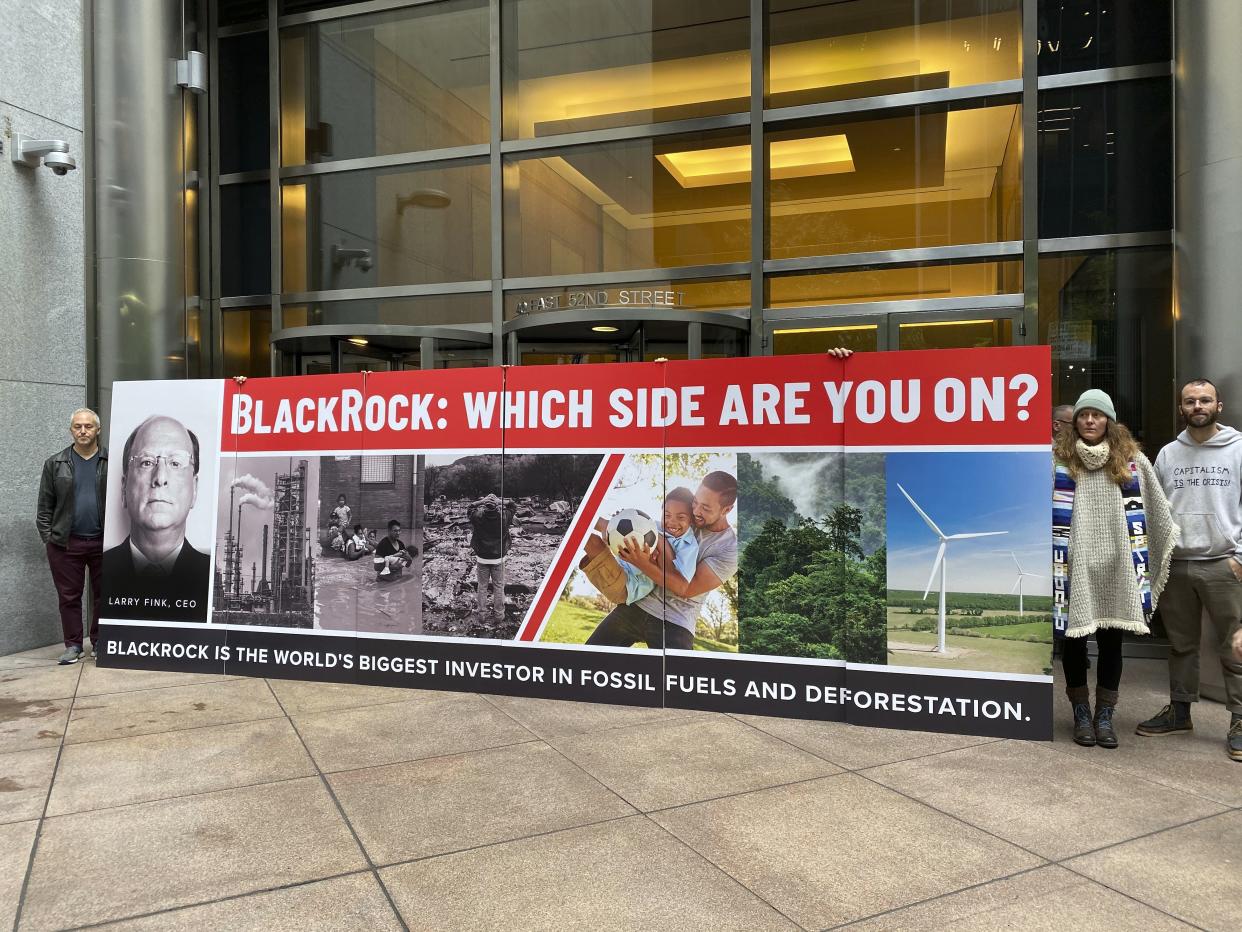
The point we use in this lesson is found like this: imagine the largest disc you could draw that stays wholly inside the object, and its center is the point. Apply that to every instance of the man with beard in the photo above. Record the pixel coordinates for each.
(1200, 472)
(666, 616)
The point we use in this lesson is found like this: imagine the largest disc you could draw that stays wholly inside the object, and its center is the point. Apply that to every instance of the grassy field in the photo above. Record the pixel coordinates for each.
(1041, 629)
(996, 648)
(900, 618)
(988, 601)
(573, 624)
(996, 655)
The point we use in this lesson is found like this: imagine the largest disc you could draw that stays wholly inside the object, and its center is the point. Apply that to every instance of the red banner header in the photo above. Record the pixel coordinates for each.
(943, 398)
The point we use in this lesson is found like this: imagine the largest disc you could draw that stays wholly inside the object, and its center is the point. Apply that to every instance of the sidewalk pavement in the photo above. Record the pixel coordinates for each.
(179, 801)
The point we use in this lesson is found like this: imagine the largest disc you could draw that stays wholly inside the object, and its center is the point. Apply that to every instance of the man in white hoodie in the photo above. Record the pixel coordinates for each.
(1201, 472)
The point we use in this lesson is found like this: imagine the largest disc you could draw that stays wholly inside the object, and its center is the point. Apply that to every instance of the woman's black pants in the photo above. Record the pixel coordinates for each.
(1108, 663)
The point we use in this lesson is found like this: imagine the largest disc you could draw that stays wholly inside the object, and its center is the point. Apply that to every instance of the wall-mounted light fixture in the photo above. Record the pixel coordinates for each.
(427, 198)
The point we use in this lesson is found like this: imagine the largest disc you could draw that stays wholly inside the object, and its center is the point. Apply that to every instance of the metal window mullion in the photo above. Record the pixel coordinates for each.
(345, 11)
(946, 255)
(246, 177)
(879, 309)
(209, 271)
(429, 158)
(383, 292)
(496, 178)
(1029, 323)
(273, 161)
(543, 145)
(236, 29)
(992, 94)
(1097, 242)
(1161, 69)
(625, 276)
(758, 174)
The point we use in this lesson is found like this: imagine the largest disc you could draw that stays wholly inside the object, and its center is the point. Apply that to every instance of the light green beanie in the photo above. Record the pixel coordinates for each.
(1094, 398)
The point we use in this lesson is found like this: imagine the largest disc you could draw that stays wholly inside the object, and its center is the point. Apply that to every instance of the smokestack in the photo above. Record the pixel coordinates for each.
(237, 570)
(264, 558)
(252, 569)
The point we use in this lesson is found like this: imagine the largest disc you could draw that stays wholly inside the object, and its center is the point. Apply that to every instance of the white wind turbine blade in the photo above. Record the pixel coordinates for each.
(968, 536)
(1015, 562)
(922, 514)
(1035, 575)
(935, 566)
(1016, 583)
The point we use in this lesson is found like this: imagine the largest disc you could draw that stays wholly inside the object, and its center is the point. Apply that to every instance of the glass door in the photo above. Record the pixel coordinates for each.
(953, 329)
(818, 335)
(568, 354)
(905, 330)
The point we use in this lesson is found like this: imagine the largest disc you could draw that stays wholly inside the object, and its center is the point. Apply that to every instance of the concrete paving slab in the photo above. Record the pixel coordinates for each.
(554, 718)
(39, 657)
(401, 731)
(352, 902)
(150, 711)
(854, 747)
(16, 841)
(1195, 762)
(97, 681)
(27, 724)
(841, 848)
(1193, 872)
(1048, 899)
(1042, 800)
(421, 808)
(40, 682)
(178, 852)
(24, 780)
(300, 697)
(100, 774)
(674, 763)
(626, 874)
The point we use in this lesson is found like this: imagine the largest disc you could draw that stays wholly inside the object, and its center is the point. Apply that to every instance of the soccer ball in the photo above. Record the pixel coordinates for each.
(630, 522)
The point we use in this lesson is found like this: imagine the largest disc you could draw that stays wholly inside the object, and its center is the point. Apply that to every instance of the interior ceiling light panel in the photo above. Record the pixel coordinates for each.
(788, 158)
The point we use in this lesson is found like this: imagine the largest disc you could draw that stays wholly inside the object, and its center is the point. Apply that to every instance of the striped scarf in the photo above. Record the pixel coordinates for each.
(1062, 516)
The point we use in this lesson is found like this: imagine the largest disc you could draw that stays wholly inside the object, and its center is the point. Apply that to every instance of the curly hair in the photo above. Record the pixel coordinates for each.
(1122, 451)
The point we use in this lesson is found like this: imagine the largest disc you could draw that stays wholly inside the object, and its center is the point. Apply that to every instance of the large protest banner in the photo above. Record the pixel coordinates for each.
(862, 540)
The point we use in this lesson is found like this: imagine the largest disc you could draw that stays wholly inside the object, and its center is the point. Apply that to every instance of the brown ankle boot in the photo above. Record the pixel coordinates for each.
(1080, 699)
(1105, 703)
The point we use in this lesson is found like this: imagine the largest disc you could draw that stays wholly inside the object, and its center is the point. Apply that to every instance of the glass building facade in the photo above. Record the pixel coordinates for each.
(469, 182)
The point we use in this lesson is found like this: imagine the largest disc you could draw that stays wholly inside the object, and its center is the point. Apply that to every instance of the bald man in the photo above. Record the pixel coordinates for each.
(154, 574)
(1062, 418)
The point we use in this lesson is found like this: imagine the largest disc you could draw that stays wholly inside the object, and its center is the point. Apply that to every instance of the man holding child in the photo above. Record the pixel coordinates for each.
(681, 572)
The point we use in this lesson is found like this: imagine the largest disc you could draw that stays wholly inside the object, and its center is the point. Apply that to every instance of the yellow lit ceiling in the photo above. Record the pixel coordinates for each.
(972, 50)
(790, 158)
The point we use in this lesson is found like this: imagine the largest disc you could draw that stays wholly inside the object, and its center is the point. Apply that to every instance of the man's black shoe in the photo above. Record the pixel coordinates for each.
(1167, 721)
(1233, 743)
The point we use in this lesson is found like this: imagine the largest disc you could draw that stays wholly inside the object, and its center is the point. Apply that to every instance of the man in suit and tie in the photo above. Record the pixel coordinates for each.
(154, 574)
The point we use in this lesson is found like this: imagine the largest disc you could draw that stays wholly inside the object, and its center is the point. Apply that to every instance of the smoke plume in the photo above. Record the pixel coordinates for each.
(256, 493)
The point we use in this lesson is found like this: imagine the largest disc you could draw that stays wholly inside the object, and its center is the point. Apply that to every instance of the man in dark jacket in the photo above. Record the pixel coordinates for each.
(70, 517)
(490, 537)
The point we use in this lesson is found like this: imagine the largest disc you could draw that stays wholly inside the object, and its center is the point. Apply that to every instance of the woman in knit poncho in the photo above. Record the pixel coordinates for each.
(1121, 537)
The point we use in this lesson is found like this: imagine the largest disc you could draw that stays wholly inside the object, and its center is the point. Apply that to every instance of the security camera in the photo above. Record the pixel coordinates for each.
(54, 153)
(61, 163)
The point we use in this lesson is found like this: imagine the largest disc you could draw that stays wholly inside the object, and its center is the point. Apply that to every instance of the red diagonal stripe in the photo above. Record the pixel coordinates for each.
(573, 544)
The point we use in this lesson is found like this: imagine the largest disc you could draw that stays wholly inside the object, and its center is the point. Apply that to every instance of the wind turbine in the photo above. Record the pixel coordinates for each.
(940, 560)
(1022, 574)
